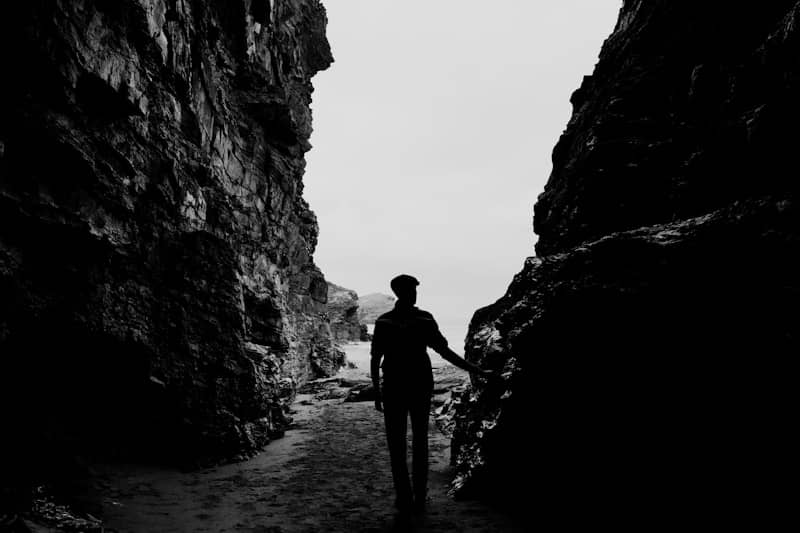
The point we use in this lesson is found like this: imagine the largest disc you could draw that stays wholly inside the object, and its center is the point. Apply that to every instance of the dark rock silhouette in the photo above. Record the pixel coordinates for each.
(681, 114)
(157, 293)
(343, 312)
(646, 348)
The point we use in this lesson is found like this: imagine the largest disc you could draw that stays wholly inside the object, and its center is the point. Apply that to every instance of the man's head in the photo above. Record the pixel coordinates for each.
(405, 288)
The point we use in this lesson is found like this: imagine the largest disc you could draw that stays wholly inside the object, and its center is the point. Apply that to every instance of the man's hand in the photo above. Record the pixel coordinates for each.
(378, 404)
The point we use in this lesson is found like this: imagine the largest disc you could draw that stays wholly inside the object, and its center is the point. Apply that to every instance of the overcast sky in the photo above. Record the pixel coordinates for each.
(433, 131)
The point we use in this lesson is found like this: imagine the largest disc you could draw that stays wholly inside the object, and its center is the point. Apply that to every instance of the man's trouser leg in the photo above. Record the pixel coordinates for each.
(420, 412)
(395, 412)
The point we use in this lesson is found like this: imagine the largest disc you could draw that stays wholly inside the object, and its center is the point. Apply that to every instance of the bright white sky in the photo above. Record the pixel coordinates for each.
(433, 131)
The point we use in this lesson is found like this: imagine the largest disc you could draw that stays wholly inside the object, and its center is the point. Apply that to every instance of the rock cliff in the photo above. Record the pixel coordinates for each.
(343, 313)
(646, 348)
(159, 297)
(371, 306)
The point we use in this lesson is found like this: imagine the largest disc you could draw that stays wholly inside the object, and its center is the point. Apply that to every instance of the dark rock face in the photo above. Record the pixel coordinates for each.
(343, 313)
(679, 117)
(646, 350)
(159, 297)
(371, 306)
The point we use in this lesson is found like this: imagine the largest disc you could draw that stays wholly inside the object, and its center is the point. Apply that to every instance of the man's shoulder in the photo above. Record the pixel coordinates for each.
(423, 316)
(385, 316)
(393, 315)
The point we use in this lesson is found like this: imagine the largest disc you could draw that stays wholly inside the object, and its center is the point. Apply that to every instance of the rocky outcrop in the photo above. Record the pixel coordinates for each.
(343, 313)
(646, 349)
(159, 297)
(681, 114)
(371, 306)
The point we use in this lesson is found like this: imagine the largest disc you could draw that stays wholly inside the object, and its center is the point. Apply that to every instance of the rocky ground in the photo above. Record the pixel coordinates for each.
(329, 473)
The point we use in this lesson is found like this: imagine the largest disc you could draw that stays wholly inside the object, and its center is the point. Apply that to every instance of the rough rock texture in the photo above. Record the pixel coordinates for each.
(681, 116)
(646, 350)
(343, 313)
(371, 306)
(159, 297)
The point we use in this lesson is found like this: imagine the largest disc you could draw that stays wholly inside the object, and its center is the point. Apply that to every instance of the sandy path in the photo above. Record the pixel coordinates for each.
(329, 474)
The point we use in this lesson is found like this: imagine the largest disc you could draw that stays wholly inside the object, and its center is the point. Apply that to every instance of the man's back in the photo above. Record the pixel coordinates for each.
(402, 336)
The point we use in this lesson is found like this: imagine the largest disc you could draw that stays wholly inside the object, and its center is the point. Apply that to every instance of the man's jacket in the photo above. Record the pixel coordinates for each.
(402, 337)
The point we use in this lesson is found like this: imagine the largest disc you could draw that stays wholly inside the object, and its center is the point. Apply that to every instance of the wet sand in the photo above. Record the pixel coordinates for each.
(329, 473)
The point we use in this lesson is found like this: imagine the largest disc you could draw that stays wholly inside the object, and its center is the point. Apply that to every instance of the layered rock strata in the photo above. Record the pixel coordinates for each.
(159, 297)
(646, 350)
(343, 313)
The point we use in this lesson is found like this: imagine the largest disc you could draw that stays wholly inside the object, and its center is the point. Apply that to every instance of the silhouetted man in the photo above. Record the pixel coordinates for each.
(401, 338)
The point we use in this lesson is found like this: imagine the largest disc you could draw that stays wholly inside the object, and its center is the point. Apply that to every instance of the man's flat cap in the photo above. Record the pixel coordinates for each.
(403, 280)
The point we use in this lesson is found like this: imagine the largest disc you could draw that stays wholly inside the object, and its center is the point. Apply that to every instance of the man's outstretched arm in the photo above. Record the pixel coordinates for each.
(456, 360)
(438, 342)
